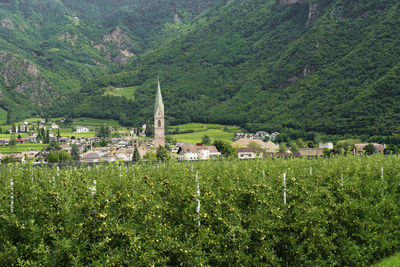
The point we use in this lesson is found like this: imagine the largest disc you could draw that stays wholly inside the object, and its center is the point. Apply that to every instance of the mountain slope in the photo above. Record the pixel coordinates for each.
(72, 42)
(328, 66)
(324, 65)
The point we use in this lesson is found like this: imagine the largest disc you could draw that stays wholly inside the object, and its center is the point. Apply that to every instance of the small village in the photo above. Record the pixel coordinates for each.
(108, 144)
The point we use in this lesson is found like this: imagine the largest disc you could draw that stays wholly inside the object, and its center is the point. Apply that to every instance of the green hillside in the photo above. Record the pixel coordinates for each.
(266, 65)
(50, 49)
(327, 66)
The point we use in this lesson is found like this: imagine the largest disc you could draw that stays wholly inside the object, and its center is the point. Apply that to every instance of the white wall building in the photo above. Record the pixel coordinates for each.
(82, 130)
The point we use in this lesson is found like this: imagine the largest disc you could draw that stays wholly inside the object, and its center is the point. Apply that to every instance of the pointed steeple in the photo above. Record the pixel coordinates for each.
(159, 102)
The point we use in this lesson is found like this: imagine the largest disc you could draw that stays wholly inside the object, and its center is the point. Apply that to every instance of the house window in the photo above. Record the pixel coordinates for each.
(159, 123)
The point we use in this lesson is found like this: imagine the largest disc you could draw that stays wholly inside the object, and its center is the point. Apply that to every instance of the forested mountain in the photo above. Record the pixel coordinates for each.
(329, 66)
(71, 42)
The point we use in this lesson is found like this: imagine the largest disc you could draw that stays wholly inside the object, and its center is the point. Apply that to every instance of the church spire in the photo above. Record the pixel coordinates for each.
(159, 137)
(159, 102)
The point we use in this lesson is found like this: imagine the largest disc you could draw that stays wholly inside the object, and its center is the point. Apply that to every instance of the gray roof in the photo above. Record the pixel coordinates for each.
(159, 102)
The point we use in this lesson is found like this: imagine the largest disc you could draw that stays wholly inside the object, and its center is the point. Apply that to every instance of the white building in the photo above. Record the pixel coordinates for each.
(54, 126)
(328, 145)
(82, 130)
(192, 152)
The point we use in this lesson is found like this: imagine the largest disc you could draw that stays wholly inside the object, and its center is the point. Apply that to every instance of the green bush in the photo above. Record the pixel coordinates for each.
(344, 213)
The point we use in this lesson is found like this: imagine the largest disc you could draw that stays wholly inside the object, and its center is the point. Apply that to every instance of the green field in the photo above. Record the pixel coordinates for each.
(215, 131)
(189, 127)
(393, 261)
(69, 133)
(94, 123)
(22, 148)
(8, 136)
(128, 92)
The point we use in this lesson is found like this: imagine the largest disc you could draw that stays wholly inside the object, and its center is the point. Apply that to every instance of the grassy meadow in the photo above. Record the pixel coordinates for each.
(22, 148)
(94, 123)
(128, 92)
(215, 131)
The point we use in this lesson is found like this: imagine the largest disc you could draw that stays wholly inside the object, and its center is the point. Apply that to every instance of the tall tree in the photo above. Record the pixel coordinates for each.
(163, 154)
(75, 153)
(225, 149)
(206, 140)
(136, 155)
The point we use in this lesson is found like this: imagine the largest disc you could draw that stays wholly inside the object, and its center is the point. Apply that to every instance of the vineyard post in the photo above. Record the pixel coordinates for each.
(284, 188)
(198, 198)
(382, 179)
(12, 195)
(310, 170)
(342, 182)
(93, 188)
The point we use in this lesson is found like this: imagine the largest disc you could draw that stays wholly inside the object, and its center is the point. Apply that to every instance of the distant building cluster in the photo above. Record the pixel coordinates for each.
(261, 135)
(122, 148)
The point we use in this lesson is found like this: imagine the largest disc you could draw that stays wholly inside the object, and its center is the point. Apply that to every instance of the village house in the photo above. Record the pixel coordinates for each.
(41, 156)
(4, 142)
(328, 145)
(23, 128)
(91, 157)
(109, 157)
(250, 153)
(359, 148)
(54, 126)
(267, 146)
(199, 152)
(82, 130)
(282, 155)
(311, 152)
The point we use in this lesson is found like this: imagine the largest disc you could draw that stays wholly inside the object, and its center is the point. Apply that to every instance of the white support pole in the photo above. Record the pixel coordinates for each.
(310, 170)
(342, 182)
(12, 195)
(198, 198)
(284, 188)
(382, 172)
(93, 188)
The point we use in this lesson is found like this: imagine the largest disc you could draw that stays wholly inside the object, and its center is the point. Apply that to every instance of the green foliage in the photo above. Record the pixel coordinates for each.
(327, 152)
(251, 63)
(163, 154)
(391, 149)
(136, 155)
(150, 156)
(206, 140)
(225, 148)
(261, 66)
(75, 153)
(53, 146)
(282, 147)
(13, 141)
(103, 132)
(146, 214)
(369, 149)
(60, 156)
(7, 160)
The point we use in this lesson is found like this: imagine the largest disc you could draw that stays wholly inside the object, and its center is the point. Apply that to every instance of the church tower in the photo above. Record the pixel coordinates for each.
(159, 138)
